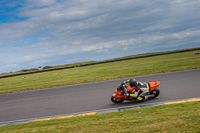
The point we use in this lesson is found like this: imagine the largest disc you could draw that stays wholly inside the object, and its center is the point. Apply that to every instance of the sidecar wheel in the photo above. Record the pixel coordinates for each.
(116, 100)
(155, 93)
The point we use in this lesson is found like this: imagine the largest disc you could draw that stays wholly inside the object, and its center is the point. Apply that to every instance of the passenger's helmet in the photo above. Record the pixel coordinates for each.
(133, 82)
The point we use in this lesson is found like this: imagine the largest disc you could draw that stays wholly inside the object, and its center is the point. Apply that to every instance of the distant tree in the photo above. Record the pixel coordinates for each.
(47, 67)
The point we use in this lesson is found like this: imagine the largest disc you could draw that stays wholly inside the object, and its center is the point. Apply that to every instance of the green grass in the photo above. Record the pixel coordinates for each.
(24, 71)
(175, 118)
(100, 72)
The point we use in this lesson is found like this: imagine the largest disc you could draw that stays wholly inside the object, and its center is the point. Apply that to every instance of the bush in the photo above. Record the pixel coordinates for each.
(47, 67)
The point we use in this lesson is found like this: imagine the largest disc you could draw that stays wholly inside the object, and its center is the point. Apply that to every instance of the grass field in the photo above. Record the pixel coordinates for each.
(174, 118)
(100, 72)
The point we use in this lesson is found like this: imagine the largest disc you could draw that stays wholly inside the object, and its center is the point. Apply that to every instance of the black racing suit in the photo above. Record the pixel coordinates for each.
(139, 86)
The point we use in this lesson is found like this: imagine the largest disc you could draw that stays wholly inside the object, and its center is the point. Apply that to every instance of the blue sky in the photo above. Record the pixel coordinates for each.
(55, 32)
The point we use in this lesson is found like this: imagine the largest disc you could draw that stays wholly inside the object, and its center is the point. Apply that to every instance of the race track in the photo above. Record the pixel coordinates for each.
(92, 96)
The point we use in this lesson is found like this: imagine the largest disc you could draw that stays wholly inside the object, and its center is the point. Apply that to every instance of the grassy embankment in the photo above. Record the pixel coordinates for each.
(107, 71)
(184, 117)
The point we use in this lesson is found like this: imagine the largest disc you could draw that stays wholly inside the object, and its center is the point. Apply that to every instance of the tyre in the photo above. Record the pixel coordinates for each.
(116, 100)
(155, 93)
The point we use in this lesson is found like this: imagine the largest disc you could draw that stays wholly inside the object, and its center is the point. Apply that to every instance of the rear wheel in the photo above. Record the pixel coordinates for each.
(116, 100)
(155, 93)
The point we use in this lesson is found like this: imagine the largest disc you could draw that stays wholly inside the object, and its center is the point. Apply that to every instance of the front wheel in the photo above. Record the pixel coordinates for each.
(155, 93)
(116, 100)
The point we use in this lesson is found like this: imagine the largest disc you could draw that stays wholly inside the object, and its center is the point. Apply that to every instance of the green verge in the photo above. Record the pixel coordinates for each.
(184, 117)
(100, 72)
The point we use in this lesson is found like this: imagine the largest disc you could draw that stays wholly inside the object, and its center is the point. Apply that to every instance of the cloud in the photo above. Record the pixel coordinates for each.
(58, 30)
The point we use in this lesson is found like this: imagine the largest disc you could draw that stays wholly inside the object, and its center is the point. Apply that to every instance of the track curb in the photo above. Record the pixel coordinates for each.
(99, 111)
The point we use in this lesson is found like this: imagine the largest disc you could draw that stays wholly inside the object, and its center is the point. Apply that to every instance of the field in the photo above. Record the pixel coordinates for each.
(184, 117)
(100, 72)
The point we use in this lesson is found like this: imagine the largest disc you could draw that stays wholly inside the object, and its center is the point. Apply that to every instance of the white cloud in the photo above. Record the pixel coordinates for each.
(39, 3)
(57, 29)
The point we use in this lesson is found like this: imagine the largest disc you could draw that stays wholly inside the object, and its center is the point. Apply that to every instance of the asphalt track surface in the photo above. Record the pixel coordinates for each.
(92, 96)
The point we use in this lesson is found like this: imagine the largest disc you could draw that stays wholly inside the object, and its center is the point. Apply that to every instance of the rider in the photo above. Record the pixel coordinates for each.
(144, 87)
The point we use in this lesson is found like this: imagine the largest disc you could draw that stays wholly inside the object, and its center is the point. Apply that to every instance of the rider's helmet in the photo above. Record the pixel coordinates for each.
(133, 82)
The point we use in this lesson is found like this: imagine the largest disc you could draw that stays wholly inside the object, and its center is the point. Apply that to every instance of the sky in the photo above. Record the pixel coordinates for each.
(37, 33)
